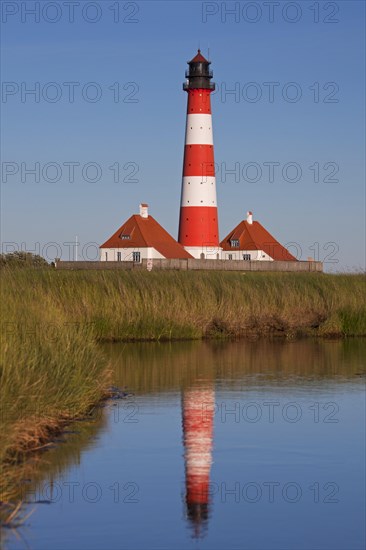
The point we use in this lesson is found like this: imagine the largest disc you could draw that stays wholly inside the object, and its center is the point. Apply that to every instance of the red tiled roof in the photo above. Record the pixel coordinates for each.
(143, 233)
(199, 58)
(255, 237)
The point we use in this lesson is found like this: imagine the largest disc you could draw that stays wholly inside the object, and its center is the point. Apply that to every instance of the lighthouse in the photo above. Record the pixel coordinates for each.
(198, 224)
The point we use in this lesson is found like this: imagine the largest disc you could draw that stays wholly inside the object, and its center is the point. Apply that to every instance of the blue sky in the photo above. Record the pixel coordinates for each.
(297, 76)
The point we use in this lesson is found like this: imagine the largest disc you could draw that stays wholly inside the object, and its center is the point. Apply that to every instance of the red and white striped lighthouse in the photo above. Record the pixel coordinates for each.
(198, 224)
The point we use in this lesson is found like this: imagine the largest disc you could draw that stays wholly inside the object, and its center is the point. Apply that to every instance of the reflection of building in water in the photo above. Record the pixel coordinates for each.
(198, 412)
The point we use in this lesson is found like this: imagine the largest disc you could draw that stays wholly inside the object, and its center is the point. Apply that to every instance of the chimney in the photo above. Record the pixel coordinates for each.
(250, 217)
(144, 210)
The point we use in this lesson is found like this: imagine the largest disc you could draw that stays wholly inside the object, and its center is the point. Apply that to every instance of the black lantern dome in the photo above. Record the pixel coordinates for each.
(199, 74)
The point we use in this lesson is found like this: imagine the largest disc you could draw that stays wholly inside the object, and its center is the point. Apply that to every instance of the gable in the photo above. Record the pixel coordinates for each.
(255, 237)
(146, 233)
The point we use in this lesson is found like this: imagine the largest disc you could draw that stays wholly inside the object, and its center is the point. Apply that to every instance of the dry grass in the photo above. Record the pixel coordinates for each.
(50, 371)
(174, 305)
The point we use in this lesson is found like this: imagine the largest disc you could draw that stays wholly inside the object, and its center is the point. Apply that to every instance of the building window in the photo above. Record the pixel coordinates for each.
(106, 256)
(125, 237)
(119, 257)
(230, 256)
(247, 257)
(234, 243)
(136, 256)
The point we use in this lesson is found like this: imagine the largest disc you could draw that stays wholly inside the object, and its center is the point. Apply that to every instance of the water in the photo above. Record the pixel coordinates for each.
(221, 446)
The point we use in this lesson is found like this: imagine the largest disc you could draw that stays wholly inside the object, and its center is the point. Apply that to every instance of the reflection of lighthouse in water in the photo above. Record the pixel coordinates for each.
(197, 413)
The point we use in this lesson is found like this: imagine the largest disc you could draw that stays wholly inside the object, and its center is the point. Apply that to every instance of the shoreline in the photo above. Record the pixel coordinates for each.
(17, 462)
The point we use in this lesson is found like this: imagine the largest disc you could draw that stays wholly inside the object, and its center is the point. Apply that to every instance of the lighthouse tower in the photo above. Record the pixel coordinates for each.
(198, 224)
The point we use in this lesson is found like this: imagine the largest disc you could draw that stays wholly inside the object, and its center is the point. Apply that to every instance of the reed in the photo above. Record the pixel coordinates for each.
(126, 305)
(48, 376)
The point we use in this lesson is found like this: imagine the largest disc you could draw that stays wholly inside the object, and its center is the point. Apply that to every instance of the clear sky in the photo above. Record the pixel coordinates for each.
(289, 139)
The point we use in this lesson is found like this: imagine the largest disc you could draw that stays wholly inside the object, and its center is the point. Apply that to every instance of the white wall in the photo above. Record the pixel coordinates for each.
(209, 252)
(196, 251)
(127, 254)
(255, 255)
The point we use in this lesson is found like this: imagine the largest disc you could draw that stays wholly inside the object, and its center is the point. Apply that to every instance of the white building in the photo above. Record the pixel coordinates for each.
(251, 241)
(141, 237)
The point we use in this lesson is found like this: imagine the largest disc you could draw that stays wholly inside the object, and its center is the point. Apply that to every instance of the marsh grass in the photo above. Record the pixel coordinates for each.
(58, 308)
(121, 305)
(48, 377)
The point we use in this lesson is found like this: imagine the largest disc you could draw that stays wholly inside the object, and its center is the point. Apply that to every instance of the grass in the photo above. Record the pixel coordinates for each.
(47, 376)
(52, 370)
(118, 305)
